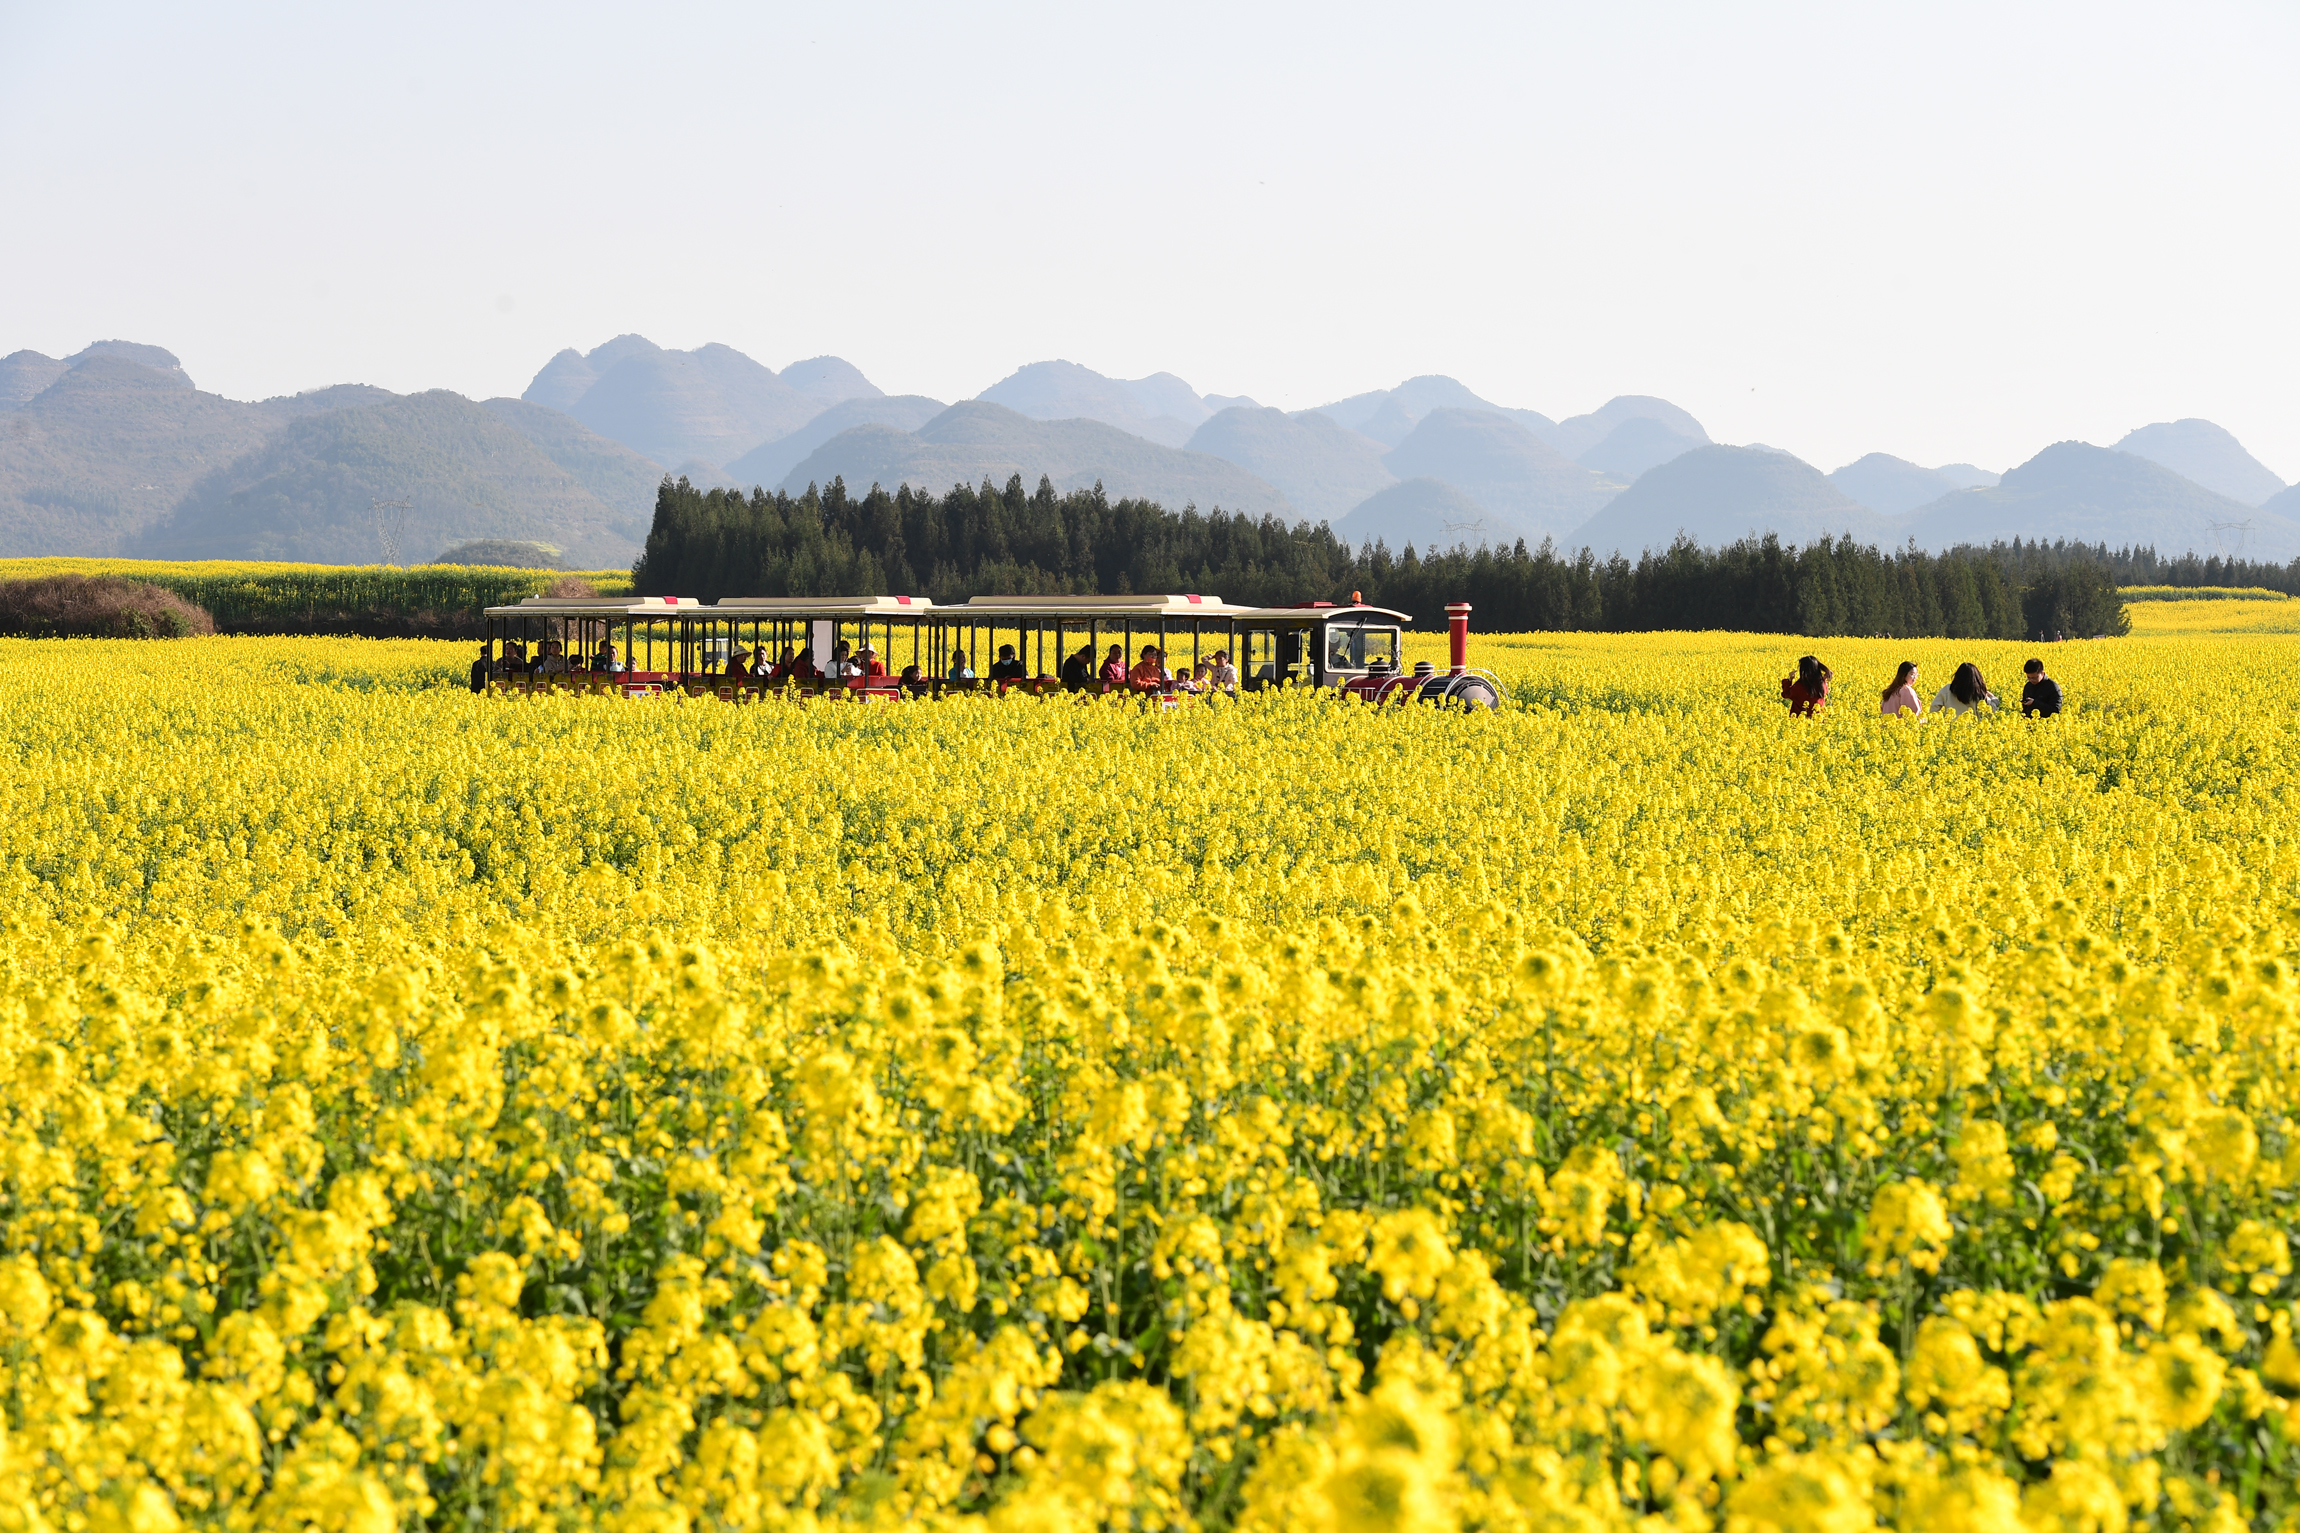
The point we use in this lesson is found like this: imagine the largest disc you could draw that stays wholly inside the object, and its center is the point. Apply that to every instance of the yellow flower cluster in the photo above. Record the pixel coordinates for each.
(251, 569)
(1631, 1110)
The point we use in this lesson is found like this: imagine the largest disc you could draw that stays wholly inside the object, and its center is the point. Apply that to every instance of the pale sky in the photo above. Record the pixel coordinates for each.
(1944, 231)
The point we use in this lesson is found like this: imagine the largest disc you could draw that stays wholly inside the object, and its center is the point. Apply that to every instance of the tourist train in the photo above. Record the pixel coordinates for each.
(655, 645)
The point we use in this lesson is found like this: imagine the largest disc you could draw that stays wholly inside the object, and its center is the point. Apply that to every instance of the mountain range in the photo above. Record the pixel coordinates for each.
(114, 450)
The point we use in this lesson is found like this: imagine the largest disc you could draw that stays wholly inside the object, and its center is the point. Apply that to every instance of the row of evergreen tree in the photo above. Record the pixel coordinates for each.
(983, 540)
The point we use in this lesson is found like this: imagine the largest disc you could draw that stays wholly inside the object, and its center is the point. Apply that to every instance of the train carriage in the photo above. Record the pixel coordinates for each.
(648, 645)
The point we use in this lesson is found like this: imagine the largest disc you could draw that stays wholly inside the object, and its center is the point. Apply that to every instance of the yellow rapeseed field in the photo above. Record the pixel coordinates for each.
(1634, 1109)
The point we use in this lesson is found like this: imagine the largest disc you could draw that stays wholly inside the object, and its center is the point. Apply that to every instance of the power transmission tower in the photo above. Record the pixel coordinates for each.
(390, 523)
(2242, 530)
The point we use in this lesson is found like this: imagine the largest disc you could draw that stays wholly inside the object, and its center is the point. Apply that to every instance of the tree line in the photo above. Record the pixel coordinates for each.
(980, 540)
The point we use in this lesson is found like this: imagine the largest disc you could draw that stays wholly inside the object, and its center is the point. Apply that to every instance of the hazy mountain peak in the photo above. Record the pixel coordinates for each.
(1967, 476)
(978, 439)
(2090, 494)
(159, 359)
(1715, 494)
(1575, 435)
(1637, 444)
(1161, 408)
(621, 349)
(1505, 467)
(1321, 466)
(1425, 514)
(2208, 454)
(768, 463)
(711, 404)
(25, 375)
(1395, 410)
(563, 382)
(1888, 485)
(830, 380)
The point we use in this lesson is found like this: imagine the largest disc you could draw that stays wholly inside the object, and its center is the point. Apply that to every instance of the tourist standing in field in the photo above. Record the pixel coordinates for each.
(482, 666)
(2040, 694)
(1967, 691)
(1901, 697)
(1807, 692)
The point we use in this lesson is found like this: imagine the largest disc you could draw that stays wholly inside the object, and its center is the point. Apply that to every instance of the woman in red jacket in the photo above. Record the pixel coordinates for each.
(1807, 692)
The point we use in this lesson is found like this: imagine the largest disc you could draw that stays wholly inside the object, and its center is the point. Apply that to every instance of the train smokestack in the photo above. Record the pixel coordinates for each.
(1457, 634)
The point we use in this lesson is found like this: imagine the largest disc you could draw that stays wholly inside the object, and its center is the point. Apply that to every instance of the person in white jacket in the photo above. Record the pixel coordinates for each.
(1966, 692)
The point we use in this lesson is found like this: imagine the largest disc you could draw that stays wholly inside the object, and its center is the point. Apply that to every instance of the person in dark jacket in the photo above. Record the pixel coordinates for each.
(1078, 670)
(2040, 694)
(483, 666)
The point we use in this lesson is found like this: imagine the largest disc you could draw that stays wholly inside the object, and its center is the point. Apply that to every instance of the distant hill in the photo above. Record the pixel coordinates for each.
(503, 553)
(470, 474)
(767, 464)
(1322, 468)
(975, 440)
(2205, 454)
(1505, 468)
(1888, 485)
(1160, 408)
(26, 373)
(1577, 434)
(1428, 514)
(616, 476)
(712, 404)
(2094, 494)
(108, 448)
(1717, 494)
(830, 380)
(1966, 476)
(1637, 444)
(2285, 504)
(1389, 415)
(341, 396)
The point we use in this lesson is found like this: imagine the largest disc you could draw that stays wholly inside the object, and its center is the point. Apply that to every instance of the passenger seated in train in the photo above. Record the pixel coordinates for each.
(1221, 672)
(961, 667)
(1006, 667)
(1149, 673)
(871, 664)
(554, 661)
(913, 681)
(514, 661)
(803, 668)
(844, 666)
(1114, 666)
(606, 661)
(738, 665)
(1078, 670)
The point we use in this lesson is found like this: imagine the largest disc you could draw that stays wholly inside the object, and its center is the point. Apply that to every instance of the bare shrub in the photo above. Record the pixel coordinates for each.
(101, 606)
(570, 586)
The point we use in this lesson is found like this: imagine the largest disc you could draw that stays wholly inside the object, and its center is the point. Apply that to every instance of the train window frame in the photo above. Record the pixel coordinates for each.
(1353, 651)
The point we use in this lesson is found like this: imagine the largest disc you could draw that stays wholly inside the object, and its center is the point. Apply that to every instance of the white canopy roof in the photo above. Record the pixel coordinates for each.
(1121, 608)
(800, 606)
(603, 606)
